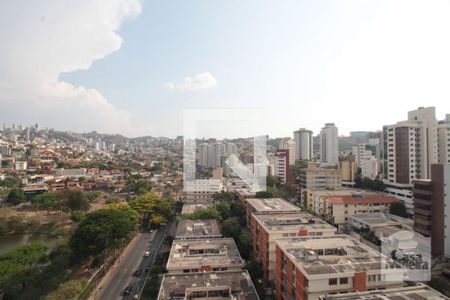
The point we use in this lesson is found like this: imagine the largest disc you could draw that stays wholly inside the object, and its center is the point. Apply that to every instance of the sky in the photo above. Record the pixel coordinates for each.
(134, 67)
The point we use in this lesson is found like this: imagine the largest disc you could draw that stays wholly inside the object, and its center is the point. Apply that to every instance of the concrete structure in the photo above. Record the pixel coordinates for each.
(410, 147)
(268, 206)
(329, 144)
(316, 178)
(289, 144)
(310, 267)
(281, 165)
(337, 209)
(198, 229)
(20, 165)
(444, 140)
(190, 208)
(348, 169)
(432, 209)
(268, 228)
(303, 139)
(212, 285)
(202, 190)
(420, 291)
(70, 172)
(373, 221)
(193, 256)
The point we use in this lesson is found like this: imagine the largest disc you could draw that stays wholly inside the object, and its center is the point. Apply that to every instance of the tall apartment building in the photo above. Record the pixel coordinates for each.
(348, 169)
(290, 145)
(5, 150)
(444, 140)
(329, 144)
(271, 227)
(316, 178)
(432, 208)
(410, 147)
(303, 139)
(211, 155)
(311, 267)
(366, 158)
(281, 165)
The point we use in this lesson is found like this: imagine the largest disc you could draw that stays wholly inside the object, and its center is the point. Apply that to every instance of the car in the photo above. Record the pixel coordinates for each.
(147, 253)
(127, 291)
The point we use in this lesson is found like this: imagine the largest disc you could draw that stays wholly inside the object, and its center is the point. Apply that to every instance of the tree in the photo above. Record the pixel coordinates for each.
(19, 266)
(244, 243)
(273, 181)
(45, 201)
(231, 228)
(100, 230)
(16, 196)
(150, 203)
(224, 209)
(264, 194)
(399, 209)
(73, 200)
(204, 213)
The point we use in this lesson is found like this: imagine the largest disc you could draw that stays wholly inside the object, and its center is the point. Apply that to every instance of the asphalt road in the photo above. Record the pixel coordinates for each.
(123, 274)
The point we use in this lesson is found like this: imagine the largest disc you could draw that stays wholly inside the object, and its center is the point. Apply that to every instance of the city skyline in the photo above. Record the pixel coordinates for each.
(308, 66)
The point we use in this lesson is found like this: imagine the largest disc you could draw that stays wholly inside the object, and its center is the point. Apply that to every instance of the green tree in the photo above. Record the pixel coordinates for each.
(45, 201)
(73, 200)
(231, 228)
(224, 209)
(244, 243)
(16, 196)
(399, 209)
(264, 194)
(100, 230)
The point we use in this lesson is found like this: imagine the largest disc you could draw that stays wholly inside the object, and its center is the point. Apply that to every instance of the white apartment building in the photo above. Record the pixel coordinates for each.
(281, 165)
(444, 140)
(303, 139)
(20, 165)
(329, 144)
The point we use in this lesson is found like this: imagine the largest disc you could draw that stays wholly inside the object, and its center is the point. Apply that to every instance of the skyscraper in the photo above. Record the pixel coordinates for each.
(444, 140)
(281, 165)
(329, 144)
(303, 139)
(290, 145)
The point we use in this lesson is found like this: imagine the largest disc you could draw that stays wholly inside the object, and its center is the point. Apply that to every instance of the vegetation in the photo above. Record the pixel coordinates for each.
(371, 184)
(264, 194)
(15, 196)
(101, 230)
(9, 182)
(399, 209)
(69, 290)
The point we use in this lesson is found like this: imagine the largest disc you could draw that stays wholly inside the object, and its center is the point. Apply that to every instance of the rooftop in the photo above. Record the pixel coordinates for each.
(218, 285)
(360, 199)
(272, 204)
(190, 208)
(419, 292)
(381, 219)
(332, 254)
(294, 221)
(198, 229)
(212, 253)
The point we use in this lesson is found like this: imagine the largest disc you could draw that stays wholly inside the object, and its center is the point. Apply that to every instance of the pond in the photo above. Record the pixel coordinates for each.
(8, 242)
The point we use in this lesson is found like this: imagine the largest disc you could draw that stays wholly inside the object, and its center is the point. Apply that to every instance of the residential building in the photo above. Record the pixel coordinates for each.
(198, 229)
(271, 227)
(191, 208)
(415, 292)
(317, 178)
(303, 139)
(201, 190)
(210, 255)
(444, 140)
(5, 150)
(268, 206)
(80, 172)
(235, 285)
(329, 144)
(432, 209)
(281, 165)
(20, 165)
(348, 169)
(373, 221)
(337, 209)
(290, 145)
(311, 267)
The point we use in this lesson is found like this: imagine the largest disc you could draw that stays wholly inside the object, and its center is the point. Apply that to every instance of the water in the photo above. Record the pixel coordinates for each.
(8, 242)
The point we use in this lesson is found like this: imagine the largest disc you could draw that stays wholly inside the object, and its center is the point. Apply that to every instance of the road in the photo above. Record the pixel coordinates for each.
(132, 259)
(122, 273)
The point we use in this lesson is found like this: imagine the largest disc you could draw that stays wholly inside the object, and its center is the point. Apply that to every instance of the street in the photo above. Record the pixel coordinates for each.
(123, 274)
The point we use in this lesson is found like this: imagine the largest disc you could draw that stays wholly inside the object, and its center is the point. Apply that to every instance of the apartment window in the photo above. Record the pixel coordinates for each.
(343, 280)
(332, 281)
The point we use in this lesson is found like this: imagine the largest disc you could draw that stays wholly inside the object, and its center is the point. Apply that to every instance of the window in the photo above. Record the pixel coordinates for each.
(343, 280)
(332, 281)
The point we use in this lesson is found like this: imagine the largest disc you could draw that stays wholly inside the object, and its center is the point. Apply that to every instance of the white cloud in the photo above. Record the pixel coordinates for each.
(201, 81)
(41, 40)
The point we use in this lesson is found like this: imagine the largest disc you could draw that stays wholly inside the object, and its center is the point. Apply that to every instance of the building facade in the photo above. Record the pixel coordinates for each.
(329, 144)
(303, 139)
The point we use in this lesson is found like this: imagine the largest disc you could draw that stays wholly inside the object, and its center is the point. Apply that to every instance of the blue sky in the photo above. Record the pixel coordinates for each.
(360, 64)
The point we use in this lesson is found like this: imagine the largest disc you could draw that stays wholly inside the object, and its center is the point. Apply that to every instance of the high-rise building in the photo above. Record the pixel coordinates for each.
(444, 140)
(290, 145)
(329, 151)
(431, 209)
(410, 147)
(281, 165)
(303, 139)
(348, 169)
(203, 155)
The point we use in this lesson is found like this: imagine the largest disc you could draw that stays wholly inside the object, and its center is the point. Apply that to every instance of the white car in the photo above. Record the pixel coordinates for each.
(147, 253)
